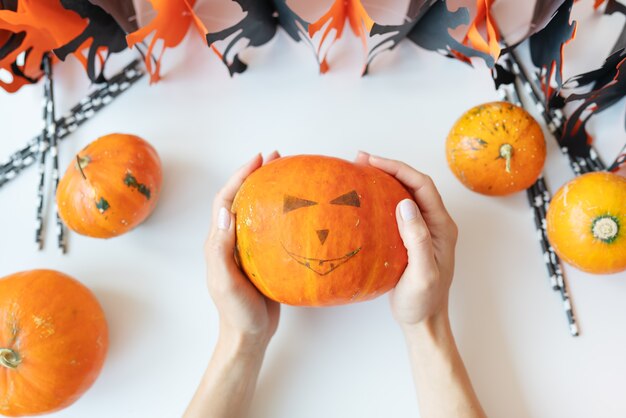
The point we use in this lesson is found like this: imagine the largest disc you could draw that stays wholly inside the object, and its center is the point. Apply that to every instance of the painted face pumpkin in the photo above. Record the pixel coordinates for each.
(317, 231)
(111, 187)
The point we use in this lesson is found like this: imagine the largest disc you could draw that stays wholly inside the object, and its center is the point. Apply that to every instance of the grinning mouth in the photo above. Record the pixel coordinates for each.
(322, 266)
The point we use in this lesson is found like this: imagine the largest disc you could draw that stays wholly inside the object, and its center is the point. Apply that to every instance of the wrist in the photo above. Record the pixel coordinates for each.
(241, 343)
(435, 328)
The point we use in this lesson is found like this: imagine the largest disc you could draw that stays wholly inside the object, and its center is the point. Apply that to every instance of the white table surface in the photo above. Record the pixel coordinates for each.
(347, 361)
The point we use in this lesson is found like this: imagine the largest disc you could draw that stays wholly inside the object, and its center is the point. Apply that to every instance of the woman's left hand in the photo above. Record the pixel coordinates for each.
(244, 312)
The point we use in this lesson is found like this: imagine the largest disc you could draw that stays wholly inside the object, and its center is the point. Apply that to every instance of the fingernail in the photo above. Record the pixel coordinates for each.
(223, 219)
(374, 157)
(408, 210)
(272, 155)
(256, 157)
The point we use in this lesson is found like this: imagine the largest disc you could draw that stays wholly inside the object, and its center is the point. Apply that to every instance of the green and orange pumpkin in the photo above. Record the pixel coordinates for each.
(112, 186)
(317, 231)
(496, 149)
(53, 342)
(586, 223)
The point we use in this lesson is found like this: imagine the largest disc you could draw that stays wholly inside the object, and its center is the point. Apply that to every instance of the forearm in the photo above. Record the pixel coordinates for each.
(444, 389)
(228, 384)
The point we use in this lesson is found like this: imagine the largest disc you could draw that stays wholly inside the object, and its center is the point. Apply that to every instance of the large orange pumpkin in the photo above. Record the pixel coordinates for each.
(112, 186)
(586, 223)
(53, 342)
(317, 231)
(496, 149)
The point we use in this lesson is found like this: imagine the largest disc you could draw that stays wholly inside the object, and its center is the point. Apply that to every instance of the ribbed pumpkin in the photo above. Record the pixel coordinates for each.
(112, 186)
(586, 223)
(53, 342)
(496, 149)
(317, 231)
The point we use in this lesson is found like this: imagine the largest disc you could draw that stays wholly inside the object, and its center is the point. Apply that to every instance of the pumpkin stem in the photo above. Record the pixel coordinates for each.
(605, 228)
(9, 358)
(82, 162)
(506, 151)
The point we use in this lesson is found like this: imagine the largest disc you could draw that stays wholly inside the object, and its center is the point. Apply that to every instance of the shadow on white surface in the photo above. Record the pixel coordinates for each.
(182, 181)
(127, 315)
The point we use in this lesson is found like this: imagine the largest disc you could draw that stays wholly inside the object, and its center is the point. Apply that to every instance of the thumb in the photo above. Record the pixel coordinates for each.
(416, 236)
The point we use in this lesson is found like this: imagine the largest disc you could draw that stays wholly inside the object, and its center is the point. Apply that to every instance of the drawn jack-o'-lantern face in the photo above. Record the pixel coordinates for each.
(316, 231)
(323, 266)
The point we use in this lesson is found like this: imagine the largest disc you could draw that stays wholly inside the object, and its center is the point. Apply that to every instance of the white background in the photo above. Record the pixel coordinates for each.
(347, 361)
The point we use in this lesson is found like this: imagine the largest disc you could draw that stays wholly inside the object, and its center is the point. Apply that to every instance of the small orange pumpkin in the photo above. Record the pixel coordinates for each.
(586, 223)
(112, 187)
(53, 342)
(496, 149)
(316, 231)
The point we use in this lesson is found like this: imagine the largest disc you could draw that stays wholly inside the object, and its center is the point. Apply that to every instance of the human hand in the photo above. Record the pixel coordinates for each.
(245, 314)
(429, 235)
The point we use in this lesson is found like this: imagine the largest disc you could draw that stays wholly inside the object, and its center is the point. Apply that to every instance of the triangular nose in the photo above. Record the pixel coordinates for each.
(322, 234)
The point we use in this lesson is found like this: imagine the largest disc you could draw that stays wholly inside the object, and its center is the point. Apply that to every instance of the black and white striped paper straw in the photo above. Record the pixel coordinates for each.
(78, 115)
(44, 143)
(550, 257)
(539, 199)
(510, 93)
(541, 204)
(535, 200)
(51, 132)
(561, 283)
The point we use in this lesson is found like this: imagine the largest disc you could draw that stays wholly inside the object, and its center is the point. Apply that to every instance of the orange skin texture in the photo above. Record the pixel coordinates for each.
(59, 330)
(112, 158)
(570, 219)
(367, 256)
(473, 149)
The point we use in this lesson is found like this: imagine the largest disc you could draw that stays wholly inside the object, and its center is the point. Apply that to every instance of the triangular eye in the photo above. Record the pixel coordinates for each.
(348, 199)
(292, 203)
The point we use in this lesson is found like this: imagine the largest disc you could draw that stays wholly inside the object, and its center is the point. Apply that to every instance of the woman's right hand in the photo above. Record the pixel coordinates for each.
(429, 235)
